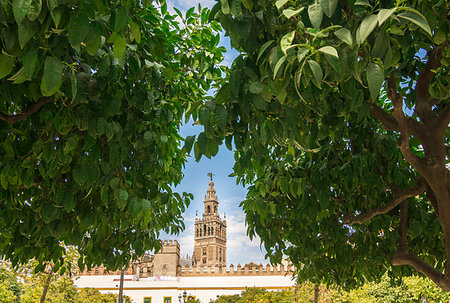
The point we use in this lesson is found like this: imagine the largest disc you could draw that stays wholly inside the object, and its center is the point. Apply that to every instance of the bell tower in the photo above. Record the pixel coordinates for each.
(210, 241)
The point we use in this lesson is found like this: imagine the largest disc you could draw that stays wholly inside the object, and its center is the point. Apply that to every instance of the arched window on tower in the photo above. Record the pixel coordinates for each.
(215, 209)
(204, 229)
(208, 209)
(209, 231)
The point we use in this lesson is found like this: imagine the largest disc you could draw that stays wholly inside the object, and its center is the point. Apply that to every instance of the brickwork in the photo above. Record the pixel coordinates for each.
(210, 238)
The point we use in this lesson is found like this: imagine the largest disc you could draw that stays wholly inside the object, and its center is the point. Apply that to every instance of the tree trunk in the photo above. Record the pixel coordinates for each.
(316, 293)
(121, 286)
(46, 285)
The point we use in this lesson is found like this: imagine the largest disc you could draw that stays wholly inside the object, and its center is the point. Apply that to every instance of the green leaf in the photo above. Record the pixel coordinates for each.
(439, 37)
(384, 14)
(315, 14)
(29, 61)
(289, 13)
(34, 10)
(56, 15)
(225, 7)
(280, 3)
(20, 9)
(94, 38)
(375, 79)
(263, 48)
(52, 78)
(236, 9)
(328, 7)
(73, 82)
(256, 88)
(366, 27)
(134, 207)
(188, 142)
(26, 30)
(329, 50)
(4, 181)
(345, 36)
(203, 115)
(362, 3)
(122, 196)
(121, 19)
(135, 31)
(221, 116)
(19, 76)
(234, 83)
(317, 71)
(286, 41)
(6, 65)
(120, 46)
(114, 182)
(248, 4)
(278, 66)
(78, 28)
(301, 54)
(418, 20)
(79, 173)
(69, 201)
(202, 142)
(164, 139)
(223, 94)
(146, 204)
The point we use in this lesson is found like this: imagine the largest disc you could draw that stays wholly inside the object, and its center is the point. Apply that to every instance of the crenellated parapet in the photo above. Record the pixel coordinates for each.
(250, 269)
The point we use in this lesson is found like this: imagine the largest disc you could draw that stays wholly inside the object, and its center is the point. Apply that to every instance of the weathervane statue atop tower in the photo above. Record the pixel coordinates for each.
(210, 175)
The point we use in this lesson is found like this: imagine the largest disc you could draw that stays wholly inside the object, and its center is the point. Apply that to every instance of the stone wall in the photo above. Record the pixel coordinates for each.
(167, 259)
(251, 269)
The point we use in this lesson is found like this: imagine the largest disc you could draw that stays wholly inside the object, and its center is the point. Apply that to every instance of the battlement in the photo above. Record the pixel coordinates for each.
(170, 243)
(251, 269)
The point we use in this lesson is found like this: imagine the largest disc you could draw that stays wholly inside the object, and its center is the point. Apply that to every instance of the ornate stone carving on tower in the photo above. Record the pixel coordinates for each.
(210, 241)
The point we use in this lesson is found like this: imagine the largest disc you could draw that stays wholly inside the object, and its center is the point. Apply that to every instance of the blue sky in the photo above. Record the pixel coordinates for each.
(240, 249)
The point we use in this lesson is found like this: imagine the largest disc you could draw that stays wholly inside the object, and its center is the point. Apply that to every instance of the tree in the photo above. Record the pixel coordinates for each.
(10, 288)
(339, 113)
(92, 96)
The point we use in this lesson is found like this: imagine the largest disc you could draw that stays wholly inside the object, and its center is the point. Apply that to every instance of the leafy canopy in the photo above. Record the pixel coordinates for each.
(92, 97)
(339, 113)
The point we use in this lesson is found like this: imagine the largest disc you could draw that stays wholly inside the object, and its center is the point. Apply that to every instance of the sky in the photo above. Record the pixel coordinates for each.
(240, 250)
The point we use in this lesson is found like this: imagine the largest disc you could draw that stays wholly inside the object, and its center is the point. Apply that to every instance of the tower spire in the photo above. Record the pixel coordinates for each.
(210, 232)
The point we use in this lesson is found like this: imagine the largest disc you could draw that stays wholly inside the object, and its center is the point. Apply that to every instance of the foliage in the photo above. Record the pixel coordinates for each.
(411, 290)
(339, 113)
(61, 289)
(6, 295)
(259, 295)
(92, 96)
(10, 287)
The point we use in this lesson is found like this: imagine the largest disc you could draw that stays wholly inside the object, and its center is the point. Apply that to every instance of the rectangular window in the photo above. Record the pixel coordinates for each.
(167, 299)
(147, 299)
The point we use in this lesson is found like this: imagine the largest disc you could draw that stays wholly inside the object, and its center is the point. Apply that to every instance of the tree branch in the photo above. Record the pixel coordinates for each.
(12, 119)
(403, 257)
(388, 122)
(423, 107)
(418, 188)
(403, 228)
(443, 120)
